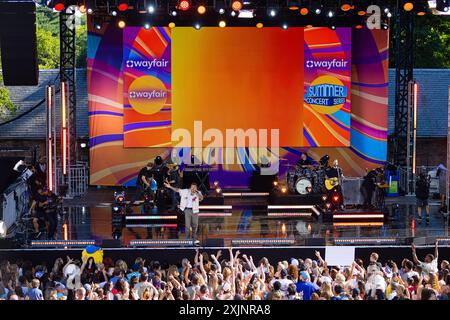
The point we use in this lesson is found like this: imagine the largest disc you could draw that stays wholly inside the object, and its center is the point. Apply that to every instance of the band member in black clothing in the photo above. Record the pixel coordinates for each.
(44, 210)
(143, 182)
(368, 187)
(303, 161)
(422, 195)
(37, 210)
(51, 214)
(174, 179)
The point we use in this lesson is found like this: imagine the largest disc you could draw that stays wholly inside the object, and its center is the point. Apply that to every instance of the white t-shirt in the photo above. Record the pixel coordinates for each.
(189, 200)
(429, 267)
(409, 274)
(284, 284)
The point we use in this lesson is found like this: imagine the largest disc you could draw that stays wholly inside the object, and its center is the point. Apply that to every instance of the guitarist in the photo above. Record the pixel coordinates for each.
(334, 180)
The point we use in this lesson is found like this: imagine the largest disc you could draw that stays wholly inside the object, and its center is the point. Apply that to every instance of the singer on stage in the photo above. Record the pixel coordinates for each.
(189, 204)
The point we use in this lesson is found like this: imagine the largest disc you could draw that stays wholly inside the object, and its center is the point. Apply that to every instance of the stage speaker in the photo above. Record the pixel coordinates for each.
(111, 243)
(315, 242)
(219, 242)
(261, 183)
(18, 42)
(8, 244)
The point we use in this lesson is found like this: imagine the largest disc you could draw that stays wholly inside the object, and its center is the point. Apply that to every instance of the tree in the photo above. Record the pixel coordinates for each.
(431, 42)
(47, 49)
(7, 107)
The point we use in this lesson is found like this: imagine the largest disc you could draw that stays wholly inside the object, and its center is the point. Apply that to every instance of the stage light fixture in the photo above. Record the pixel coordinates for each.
(330, 14)
(173, 13)
(98, 26)
(358, 26)
(361, 13)
(147, 26)
(333, 27)
(284, 26)
(222, 24)
(218, 190)
(384, 26)
(408, 6)
(201, 9)
(304, 11)
(59, 6)
(89, 10)
(197, 26)
(121, 24)
(171, 25)
(389, 15)
(346, 6)
(236, 5)
(272, 12)
(275, 183)
(283, 190)
(3, 229)
(259, 25)
(184, 5)
(293, 5)
(233, 13)
(114, 13)
(123, 5)
(328, 205)
(221, 11)
(151, 9)
(324, 197)
(318, 11)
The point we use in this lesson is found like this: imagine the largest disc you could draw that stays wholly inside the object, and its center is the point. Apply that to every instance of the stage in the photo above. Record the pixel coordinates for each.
(244, 219)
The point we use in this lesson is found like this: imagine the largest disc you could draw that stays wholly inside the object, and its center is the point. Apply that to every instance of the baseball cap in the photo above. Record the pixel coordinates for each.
(294, 262)
(304, 275)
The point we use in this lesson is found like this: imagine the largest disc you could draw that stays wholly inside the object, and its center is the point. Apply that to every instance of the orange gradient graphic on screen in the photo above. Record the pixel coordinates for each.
(239, 78)
(147, 95)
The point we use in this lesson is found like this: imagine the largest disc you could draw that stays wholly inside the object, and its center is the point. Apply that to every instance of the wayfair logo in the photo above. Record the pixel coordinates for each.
(147, 64)
(327, 64)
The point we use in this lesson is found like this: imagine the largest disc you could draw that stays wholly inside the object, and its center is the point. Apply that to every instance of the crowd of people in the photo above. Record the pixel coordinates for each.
(227, 276)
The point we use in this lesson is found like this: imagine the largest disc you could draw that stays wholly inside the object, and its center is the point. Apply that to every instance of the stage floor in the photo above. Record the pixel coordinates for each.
(90, 218)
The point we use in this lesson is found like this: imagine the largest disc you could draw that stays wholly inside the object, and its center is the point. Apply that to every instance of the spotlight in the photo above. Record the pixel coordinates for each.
(221, 11)
(333, 27)
(272, 12)
(361, 13)
(83, 145)
(358, 26)
(283, 189)
(389, 15)
(115, 209)
(173, 13)
(216, 183)
(318, 11)
(233, 13)
(197, 26)
(184, 5)
(304, 11)
(171, 25)
(324, 197)
(335, 198)
(384, 26)
(123, 5)
(259, 25)
(293, 5)
(59, 6)
(236, 5)
(98, 27)
(218, 190)
(346, 6)
(89, 10)
(119, 197)
(284, 26)
(201, 9)
(275, 183)
(328, 205)
(386, 10)
(147, 26)
(151, 9)
(121, 24)
(330, 14)
(114, 13)
(222, 24)
(408, 6)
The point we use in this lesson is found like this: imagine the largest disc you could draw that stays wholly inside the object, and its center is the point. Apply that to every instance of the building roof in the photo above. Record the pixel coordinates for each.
(432, 117)
(33, 124)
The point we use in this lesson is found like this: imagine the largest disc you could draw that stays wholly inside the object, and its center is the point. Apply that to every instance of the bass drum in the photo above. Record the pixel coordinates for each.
(302, 185)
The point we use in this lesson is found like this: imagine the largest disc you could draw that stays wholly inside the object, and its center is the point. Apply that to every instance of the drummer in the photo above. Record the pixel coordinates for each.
(303, 162)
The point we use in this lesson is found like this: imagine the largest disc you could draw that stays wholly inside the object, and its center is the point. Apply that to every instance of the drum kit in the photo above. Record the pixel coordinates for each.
(306, 179)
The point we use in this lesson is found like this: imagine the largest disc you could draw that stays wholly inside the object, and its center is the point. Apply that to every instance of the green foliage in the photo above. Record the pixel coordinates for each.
(7, 107)
(431, 42)
(48, 49)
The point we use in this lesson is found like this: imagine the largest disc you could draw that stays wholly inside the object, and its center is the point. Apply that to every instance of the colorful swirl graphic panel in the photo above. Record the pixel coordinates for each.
(113, 164)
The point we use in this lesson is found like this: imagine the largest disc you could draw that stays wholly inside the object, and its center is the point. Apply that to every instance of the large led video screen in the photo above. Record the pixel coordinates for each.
(296, 81)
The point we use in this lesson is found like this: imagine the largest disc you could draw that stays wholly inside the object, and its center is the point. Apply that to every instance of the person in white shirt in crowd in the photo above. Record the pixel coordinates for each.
(430, 263)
